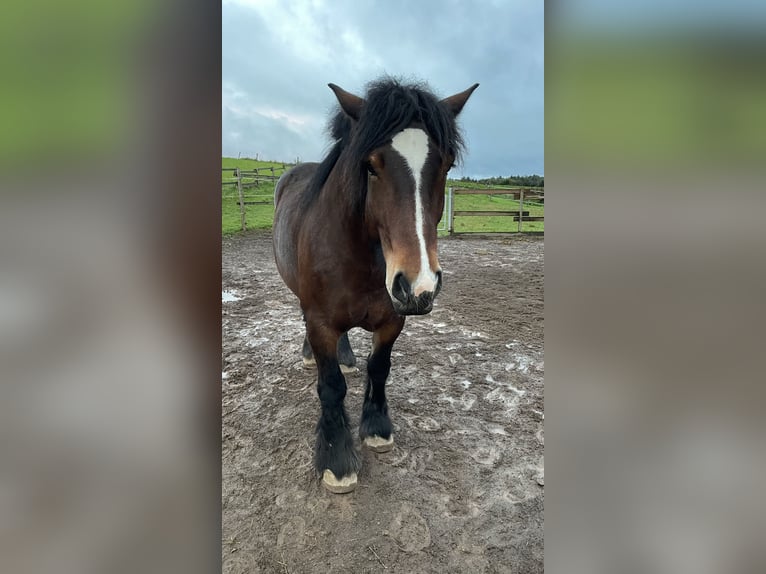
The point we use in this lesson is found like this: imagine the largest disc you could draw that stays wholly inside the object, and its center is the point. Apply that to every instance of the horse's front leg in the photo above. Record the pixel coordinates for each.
(375, 429)
(334, 456)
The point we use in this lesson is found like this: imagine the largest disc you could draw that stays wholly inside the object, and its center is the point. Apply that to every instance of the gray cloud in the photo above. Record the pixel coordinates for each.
(278, 57)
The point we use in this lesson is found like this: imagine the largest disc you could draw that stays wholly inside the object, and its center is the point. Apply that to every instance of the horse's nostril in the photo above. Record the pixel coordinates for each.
(401, 288)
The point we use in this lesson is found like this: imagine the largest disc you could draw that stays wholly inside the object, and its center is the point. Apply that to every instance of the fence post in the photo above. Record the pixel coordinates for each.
(521, 208)
(241, 201)
(449, 210)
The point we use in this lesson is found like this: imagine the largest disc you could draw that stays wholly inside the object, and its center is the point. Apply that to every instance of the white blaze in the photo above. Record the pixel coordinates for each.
(412, 145)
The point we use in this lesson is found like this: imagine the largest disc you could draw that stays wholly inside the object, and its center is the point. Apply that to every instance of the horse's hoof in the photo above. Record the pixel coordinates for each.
(346, 369)
(342, 486)
(378, 443)
(312, 362)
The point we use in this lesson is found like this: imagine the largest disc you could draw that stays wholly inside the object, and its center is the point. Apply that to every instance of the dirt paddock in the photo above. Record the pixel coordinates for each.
(462, 490)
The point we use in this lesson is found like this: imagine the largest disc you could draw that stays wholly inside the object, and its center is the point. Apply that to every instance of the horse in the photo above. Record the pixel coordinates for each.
(354, 239)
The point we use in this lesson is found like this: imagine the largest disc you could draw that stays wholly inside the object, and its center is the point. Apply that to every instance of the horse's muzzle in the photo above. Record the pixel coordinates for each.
(407, 303)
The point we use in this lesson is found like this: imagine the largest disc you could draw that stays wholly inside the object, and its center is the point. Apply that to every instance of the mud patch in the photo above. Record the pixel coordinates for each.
(462, 489)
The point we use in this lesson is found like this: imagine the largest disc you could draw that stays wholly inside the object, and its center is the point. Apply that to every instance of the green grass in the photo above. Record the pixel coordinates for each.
(261, 216)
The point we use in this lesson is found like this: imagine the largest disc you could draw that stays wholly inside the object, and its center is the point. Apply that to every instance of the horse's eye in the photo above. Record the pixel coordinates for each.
(371, 170)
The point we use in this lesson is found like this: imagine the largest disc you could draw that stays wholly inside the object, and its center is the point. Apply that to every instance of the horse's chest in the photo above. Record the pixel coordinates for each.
(370, 308)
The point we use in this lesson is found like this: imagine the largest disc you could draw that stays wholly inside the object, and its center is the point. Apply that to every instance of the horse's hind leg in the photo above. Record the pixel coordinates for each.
(375, 428)
(346, 357)
(307, 353)
(334, 456)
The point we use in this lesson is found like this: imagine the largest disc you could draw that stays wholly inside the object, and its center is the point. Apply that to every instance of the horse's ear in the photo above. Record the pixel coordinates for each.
(455, 103)
(350, 103)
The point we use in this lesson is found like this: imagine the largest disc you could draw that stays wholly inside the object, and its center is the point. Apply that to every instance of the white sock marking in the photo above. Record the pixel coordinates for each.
(412, 145)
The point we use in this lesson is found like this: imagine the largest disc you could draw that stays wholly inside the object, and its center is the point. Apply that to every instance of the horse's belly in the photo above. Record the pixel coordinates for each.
(287, 217)
(285, 254)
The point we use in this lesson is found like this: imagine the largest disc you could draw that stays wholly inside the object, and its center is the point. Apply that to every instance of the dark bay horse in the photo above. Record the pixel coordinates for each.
(355, 240)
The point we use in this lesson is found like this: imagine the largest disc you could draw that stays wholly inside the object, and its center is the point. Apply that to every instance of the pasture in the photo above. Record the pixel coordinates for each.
(462, 490)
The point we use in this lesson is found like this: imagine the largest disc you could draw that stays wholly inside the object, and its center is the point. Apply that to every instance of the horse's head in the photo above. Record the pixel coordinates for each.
(406, 177)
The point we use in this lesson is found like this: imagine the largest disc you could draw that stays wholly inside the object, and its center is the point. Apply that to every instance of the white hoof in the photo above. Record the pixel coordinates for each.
(312, 362)
(346, 369)
(378, 443)
(345, 484)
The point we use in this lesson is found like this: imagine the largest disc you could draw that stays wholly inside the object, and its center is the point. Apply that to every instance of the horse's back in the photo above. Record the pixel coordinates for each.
(294, 182)
(288, 192)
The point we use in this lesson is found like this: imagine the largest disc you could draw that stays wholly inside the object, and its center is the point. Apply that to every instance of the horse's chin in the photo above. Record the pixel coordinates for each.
(412, 310)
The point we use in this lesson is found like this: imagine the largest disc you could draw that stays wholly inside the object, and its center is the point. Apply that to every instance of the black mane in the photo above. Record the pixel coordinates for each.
(390, 107)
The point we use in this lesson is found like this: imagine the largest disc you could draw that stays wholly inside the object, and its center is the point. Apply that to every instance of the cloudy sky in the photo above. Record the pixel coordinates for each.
(279, 55)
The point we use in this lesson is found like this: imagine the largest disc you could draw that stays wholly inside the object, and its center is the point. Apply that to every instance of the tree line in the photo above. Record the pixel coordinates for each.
(523, 180)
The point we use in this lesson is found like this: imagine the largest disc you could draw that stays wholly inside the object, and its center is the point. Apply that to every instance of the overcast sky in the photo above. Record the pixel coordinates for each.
(279, 55)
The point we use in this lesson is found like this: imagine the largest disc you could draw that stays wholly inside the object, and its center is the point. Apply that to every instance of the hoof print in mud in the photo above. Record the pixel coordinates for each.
(410, 529)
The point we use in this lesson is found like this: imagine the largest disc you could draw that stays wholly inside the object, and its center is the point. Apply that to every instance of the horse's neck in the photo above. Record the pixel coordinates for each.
(344, 209)
(348, 221)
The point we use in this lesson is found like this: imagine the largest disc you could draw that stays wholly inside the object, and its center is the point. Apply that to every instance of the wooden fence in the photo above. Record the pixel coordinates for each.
(250, 179)
(520, 215)
(246, 179)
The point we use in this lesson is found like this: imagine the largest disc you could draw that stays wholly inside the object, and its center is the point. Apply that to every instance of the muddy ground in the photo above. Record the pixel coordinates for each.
(462, 491)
